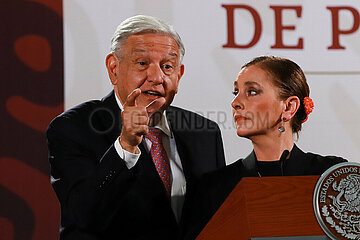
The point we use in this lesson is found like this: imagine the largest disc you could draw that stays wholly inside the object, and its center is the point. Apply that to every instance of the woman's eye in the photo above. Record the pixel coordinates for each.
(142, 63)
(252, 92)
(235, 92)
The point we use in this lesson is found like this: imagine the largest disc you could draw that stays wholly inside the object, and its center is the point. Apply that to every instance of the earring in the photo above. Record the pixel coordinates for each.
(281, 129)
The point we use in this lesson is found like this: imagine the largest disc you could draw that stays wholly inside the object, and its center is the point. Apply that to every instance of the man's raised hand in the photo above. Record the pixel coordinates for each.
(135, 120)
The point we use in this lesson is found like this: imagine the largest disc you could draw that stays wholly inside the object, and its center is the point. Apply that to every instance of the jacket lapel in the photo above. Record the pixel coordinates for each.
(181, 138)
(112, 117)
(250, 166)
(294, 166)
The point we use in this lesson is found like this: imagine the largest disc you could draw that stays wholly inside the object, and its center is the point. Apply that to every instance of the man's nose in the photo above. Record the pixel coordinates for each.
(155, 74)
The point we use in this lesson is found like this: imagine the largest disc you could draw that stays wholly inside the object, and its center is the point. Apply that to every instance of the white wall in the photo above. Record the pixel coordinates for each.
(210, 69)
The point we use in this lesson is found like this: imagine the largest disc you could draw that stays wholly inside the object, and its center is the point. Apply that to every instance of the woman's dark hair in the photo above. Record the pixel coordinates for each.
(290, 80)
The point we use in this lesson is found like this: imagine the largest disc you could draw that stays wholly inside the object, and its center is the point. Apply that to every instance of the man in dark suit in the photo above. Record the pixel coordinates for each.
(121, 166)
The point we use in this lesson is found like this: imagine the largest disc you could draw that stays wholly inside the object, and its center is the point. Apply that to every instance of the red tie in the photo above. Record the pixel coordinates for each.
(159, 157)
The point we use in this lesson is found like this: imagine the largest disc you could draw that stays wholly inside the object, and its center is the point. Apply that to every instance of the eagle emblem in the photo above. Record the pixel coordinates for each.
(337, 201)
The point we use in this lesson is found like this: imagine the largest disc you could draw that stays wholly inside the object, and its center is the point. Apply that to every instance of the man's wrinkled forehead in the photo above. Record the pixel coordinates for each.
(145, 44)
(140, 52)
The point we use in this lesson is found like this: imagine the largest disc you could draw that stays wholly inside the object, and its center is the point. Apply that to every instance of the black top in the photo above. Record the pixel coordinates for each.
(267, 169)
(299, 163)
(216, 186)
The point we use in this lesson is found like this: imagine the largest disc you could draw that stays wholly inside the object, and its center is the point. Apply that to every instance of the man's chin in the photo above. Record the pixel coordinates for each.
(160, 110)
(164, 107)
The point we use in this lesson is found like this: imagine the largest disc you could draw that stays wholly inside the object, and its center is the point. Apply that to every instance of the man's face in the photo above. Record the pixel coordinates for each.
(150, 62)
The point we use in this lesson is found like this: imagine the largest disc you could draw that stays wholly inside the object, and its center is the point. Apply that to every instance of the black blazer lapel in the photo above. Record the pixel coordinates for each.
(295, 165)
(180, 134)
(179, 125)
(250, 167)
(111, 116)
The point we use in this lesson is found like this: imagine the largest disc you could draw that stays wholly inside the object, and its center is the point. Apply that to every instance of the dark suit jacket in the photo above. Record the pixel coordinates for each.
(216, 186)
(100, 197)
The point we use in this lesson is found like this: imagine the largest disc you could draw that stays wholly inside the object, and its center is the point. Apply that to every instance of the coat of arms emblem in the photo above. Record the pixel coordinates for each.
(337, 201)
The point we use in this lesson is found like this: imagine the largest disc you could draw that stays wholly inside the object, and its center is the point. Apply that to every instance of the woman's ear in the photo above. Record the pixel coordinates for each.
(112, 64)
(292, 105)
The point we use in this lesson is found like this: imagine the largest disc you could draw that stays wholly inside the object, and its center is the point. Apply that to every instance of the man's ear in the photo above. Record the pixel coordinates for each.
(111, 64)
(291, 105)
(180, 74)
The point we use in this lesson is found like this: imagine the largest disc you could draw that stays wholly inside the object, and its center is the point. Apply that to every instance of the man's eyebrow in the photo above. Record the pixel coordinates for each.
(139, 50)
(173, 54)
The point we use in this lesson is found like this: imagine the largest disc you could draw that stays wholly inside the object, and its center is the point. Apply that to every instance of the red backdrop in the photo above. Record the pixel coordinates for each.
(31, 94)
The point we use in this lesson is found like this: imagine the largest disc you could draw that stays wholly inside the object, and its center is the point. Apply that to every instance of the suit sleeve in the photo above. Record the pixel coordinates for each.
(210, 193)
(201, 211)
(87, 185)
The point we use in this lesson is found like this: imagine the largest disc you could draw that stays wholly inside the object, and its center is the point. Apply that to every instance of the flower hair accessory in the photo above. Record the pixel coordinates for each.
(309, 106)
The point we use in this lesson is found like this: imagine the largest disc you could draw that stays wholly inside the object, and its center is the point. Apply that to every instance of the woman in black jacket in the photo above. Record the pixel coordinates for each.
(270, 105)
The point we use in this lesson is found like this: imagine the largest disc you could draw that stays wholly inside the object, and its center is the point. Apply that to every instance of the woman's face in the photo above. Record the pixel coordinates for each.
(257, 107)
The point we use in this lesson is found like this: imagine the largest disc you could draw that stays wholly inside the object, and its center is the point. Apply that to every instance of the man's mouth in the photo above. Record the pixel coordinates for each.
(152, 93)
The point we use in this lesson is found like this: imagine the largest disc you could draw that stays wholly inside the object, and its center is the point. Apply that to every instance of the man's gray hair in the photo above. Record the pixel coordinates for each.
(144, 24)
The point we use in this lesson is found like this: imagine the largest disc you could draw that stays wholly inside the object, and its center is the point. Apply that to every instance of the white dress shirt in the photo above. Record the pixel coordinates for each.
(178, 187)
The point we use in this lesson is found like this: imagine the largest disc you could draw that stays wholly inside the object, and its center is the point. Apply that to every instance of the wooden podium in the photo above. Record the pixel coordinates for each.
(266, 207)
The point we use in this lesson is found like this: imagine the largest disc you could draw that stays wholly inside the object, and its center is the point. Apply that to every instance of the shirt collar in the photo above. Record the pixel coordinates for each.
(163, 124)
(118, 102)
